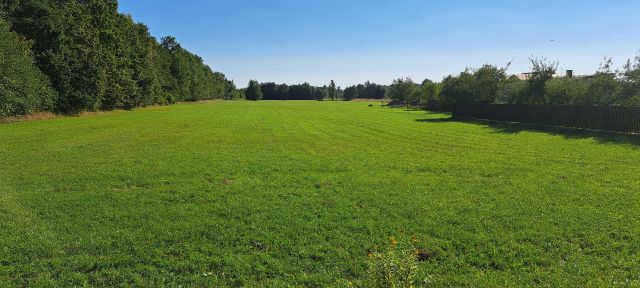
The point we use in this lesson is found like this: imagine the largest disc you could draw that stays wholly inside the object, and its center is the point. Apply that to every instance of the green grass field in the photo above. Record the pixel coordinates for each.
(296, 193)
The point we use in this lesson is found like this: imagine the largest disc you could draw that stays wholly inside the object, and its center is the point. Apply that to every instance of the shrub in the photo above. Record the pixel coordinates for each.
(403, 90)
(458, 89)
(511, 90)
(561, 91)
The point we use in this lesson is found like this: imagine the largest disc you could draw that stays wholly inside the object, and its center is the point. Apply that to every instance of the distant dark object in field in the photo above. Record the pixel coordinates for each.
(370, 105)
(423, 255)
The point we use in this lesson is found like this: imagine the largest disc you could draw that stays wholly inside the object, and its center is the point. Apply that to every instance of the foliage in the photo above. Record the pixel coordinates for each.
(368, 90)
(95, 58)
(320, 93)
(480, 85)
(511, 90)
(403, 90)
(332, 92)
(232, 93)
(301, 92)
(350, 93)
(542, 71)
(272, 91)
(458, 89)
(543, 86)
(430, 95)
(371, 91)
(630, 82)
(564, 90)
(99, 59)
(488, 79)
(269, 91)
(23, 87)
(253, 91)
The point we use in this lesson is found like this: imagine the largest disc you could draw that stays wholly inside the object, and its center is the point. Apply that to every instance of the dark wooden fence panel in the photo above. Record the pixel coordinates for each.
(608, 118)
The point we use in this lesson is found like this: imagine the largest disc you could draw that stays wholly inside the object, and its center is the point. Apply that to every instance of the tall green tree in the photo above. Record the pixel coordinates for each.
(350, 93)
(23, 87)
(630, 83)
(332, 91)
(97, 58)
(371, 91)
(320, 93)
(403, 90)
(282, 90)
(253, 91)
(428, 91)
(488, 81)
(458, 89)
(542, 70)
(603, 89)
(269, 91)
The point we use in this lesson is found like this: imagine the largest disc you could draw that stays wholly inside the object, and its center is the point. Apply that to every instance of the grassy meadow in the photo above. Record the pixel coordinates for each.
(297, 193)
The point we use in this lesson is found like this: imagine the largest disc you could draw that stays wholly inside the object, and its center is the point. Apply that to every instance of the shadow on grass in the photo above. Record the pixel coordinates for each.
(568, 133)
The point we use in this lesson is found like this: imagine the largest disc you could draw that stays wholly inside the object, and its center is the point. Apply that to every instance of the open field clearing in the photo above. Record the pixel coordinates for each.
(297, 193)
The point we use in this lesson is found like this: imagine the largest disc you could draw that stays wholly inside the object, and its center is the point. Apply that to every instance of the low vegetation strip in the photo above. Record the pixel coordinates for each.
(607, 118)
(309, 193)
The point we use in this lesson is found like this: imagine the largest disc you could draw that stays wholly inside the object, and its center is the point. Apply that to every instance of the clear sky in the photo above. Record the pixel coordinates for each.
(351, 41)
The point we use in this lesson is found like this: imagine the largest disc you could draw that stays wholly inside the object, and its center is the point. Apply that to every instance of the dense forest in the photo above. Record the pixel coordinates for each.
(68, 56)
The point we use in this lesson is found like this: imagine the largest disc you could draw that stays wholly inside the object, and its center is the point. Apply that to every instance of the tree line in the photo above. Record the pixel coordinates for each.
(486, 84)
(305, 91)
(67, 56)
(541, 86)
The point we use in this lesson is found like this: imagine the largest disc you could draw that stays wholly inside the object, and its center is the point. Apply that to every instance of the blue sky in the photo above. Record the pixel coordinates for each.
(351, 41)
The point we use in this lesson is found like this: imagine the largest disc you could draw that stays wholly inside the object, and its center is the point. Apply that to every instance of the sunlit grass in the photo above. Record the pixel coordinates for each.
(300, 193)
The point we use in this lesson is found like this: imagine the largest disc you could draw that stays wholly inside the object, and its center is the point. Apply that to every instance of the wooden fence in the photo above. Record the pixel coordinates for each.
(607, 118)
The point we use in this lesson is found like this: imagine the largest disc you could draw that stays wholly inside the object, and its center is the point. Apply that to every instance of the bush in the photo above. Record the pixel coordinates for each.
(480, 85)
(458, 89)
(511, 90)
(562, 91)
(403, 90)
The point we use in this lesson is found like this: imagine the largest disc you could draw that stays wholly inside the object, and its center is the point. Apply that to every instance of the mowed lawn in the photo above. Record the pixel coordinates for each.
(296, 193)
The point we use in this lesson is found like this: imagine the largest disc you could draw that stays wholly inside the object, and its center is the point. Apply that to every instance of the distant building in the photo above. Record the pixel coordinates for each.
(524, 76)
